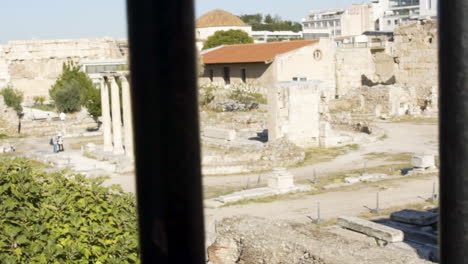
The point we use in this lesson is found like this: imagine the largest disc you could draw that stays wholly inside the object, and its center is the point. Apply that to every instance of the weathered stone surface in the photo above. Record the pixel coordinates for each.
(415, 217)
(219, 133)
(415, 52)
(224, 251)
(8, 119)
(371, 229)
(272, 241)
(281, 179)
(423, 161)
(294, 112)
(33, 66)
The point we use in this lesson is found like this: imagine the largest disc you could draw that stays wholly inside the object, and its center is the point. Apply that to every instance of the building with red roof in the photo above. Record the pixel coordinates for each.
(266, 63)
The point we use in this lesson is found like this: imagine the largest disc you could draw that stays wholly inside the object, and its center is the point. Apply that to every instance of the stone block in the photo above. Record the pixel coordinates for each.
(219, 133)
(371, 229)
(415, 217)
(281, 179)
(423, 161)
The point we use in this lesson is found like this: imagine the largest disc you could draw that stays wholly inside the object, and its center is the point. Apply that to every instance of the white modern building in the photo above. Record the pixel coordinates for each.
(428, 8)
(264, 36)
(397, 12)
(339, 22)
(322, 23)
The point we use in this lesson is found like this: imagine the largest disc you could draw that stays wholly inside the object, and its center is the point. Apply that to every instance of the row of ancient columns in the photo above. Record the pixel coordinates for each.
(111, 115)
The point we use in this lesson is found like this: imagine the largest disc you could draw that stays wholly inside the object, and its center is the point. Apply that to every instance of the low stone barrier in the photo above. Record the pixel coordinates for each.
(219, 133)
(371, 229)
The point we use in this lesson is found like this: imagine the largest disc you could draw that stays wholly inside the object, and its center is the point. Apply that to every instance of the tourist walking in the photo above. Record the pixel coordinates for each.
(60, 142)
(54, 142)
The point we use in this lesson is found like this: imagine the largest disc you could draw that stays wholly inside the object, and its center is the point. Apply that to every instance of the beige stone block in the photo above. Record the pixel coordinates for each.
(219, 133)
(371, 229)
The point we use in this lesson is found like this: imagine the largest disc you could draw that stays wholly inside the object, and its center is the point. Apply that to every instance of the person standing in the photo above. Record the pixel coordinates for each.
(60, 142)
(54, 142)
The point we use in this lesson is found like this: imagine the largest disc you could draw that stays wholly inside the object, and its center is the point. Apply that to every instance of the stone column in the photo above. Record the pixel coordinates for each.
(116, 117)
(106, 117)
(127, 117)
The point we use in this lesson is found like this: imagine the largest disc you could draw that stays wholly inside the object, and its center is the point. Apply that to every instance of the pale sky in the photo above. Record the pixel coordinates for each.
(59, 19)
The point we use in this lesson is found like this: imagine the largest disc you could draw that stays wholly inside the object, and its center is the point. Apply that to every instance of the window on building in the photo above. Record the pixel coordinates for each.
(389, 22)
(244, 75)
(211, 75)
(295, 79)
(227, 76)
(396, 21)
(429, 4)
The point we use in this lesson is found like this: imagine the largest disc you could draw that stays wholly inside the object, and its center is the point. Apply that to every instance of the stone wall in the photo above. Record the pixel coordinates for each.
(351, 64)
(33, 66)
(391, 100)
(416, 62)
(8, 119)
(362, 66)
(293, 113)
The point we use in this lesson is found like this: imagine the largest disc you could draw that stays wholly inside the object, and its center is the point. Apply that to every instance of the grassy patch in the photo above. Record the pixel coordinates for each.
(45, 107)
(318, 155)
(89, 156)
(4, 136)
(77, 145)
(403, 157)
(416, 120)
(268, 199)
(387, 211)
(383, 137)
(217, 191)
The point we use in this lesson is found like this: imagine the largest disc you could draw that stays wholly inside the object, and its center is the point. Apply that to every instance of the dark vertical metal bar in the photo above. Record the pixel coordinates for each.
(167, 151)
(453, 92)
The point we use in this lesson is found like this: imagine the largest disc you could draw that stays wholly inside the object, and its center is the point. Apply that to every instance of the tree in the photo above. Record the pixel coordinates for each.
(271, 23)
(13, 98)
(74, 89)
(252, 19)
(232, 36)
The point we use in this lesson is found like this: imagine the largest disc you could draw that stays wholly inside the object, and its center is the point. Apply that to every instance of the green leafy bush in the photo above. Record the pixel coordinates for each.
(228, 37)
(74, 89)
(247, 97)
(13, 98)
(206, 94)
(52, 218)
(39, 100)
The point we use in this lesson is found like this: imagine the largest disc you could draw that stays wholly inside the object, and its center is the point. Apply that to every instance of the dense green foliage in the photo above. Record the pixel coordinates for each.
(229, 37)
(13, 98)
(74, 89)
(270, 23)
(52, 218)
(39, 100)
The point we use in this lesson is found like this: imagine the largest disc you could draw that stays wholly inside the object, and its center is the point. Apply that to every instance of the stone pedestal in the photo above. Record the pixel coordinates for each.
(281, 179)
(423, 161)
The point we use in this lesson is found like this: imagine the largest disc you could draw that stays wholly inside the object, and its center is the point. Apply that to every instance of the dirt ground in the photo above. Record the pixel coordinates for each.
(353, 201)
(400, 138)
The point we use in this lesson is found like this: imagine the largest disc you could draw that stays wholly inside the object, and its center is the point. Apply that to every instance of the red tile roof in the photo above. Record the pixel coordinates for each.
(248, 53)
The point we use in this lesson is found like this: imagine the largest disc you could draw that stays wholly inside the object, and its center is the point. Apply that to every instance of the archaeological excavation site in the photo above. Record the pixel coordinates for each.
(315, 146)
